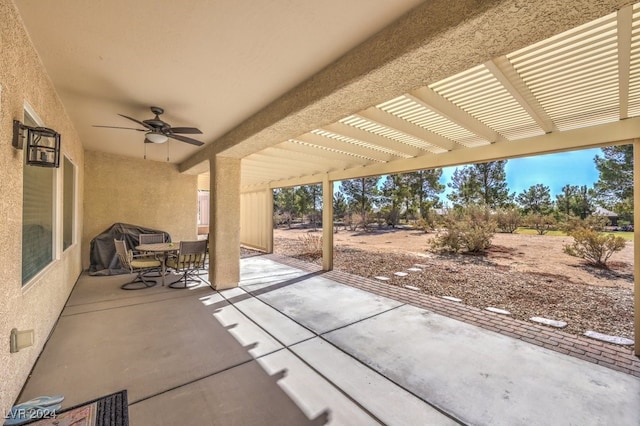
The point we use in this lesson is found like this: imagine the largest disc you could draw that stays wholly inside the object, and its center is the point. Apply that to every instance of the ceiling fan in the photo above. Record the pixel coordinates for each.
(158, 131)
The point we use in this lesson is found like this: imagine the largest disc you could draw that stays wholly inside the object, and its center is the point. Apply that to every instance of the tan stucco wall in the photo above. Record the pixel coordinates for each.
(140, 192)
(37, 305)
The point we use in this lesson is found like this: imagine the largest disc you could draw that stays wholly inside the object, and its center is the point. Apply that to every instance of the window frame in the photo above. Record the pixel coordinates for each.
(74, 205)
(56, 242)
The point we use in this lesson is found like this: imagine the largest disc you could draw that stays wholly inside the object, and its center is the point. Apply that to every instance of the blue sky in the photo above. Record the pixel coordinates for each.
(552, 170)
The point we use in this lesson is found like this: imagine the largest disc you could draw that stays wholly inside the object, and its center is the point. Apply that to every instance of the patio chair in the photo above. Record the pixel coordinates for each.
(140, 264)
(152, 239)
(205, 263)
(190, 259)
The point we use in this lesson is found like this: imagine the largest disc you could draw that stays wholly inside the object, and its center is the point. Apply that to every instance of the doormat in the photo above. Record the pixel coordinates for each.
(109, 410)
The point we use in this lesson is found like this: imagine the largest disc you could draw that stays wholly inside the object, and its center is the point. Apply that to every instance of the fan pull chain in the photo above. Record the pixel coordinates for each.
(145, 150)
(167, 151)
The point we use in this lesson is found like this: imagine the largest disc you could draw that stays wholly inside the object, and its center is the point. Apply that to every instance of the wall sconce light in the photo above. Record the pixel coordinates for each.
(43, 144)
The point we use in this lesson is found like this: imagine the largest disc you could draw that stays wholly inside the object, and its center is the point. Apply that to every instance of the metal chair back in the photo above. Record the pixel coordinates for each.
(151, 238)
(123, 254)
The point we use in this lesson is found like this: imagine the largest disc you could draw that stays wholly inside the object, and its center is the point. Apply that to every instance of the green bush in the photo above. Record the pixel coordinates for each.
(508, 220)
(594, 247)
(570, 223)
(469, 230)
(542, 223)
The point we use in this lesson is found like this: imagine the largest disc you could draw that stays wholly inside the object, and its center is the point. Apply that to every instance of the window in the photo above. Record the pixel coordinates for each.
(203, 208)
(38, 221)
(68, 202)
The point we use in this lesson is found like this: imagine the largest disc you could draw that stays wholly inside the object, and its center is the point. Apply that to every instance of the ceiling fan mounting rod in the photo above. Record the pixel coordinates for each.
(157, 110)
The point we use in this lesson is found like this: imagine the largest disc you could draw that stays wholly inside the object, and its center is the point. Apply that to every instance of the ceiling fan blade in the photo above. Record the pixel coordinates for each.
(125, 128)
(187, 130)
(142, 123)
(184, 139)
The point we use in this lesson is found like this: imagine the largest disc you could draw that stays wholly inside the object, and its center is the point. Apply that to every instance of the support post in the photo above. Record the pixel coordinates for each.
(269, 220)
(636, 243)
(224, 223)
(327, 224)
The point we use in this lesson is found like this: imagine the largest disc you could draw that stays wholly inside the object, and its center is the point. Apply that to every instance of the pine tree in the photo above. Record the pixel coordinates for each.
(395, 193)
(339, 205)
(614, 187)
(425, 186)
(284, 203)
(303, 200)
(484, 183)
(536, 199)
(361, 194)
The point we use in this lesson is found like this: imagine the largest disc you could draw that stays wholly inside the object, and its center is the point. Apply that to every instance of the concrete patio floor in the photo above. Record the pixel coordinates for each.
(291, 346)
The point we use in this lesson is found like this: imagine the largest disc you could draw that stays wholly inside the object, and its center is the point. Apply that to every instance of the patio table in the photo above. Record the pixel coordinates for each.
(161, 248)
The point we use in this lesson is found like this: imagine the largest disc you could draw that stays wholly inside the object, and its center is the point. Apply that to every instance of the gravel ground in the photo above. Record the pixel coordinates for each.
(482, 283)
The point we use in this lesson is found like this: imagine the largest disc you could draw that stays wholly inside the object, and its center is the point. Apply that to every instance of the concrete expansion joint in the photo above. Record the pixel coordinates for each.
(363, 319)
(206, 376)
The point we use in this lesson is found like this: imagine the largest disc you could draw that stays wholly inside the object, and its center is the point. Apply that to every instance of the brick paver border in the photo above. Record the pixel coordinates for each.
(608, 355)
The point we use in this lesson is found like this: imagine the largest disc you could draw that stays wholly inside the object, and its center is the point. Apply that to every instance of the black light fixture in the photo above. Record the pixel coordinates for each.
(43, 144)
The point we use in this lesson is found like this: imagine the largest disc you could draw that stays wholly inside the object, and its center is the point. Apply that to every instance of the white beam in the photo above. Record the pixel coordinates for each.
(606, 134)
(617, 133)
(505, 73)
(336, 144)
(452, 112)
(269, 219)
(284, 156)
(327, 224)
(373, 139)
(636, 242)
(326, 154)
(625, 23)
(279, 166)
(433, 142)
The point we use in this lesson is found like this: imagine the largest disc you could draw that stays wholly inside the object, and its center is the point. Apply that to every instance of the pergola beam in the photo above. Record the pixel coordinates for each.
(338, 145)
(453, 113)
(618, 133)
(505, 73)
(625, 22)
(434, 142)
(325, 154)
(374, 139)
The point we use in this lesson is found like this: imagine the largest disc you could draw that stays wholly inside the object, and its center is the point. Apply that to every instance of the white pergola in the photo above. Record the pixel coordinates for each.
(578, 88)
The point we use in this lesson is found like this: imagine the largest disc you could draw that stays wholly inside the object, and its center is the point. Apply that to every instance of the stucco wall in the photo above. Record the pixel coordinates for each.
(140, 192)
(38, 305)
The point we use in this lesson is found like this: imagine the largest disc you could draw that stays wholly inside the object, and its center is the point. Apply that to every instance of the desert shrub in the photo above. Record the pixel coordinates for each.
(351, 221)
(594, 247)
(312, 244)
(573, 223)
(428, 222)
(508, 220)
(469, 230)
(391, 216)
(281, 218)
(542, 223)
(423, 225)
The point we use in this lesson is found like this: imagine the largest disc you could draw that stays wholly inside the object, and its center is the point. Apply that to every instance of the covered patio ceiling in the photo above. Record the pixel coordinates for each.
(306, 91)
(577, 89)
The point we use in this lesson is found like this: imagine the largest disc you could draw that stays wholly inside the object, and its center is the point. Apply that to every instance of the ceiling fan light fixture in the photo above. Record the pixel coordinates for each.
(156, 137)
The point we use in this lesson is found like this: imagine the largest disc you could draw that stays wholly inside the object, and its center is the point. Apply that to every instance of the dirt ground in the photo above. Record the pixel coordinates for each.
(529, 275)
(524, 253)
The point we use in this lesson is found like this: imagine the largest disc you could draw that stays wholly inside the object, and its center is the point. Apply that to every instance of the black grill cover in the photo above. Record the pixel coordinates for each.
(103, 257)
